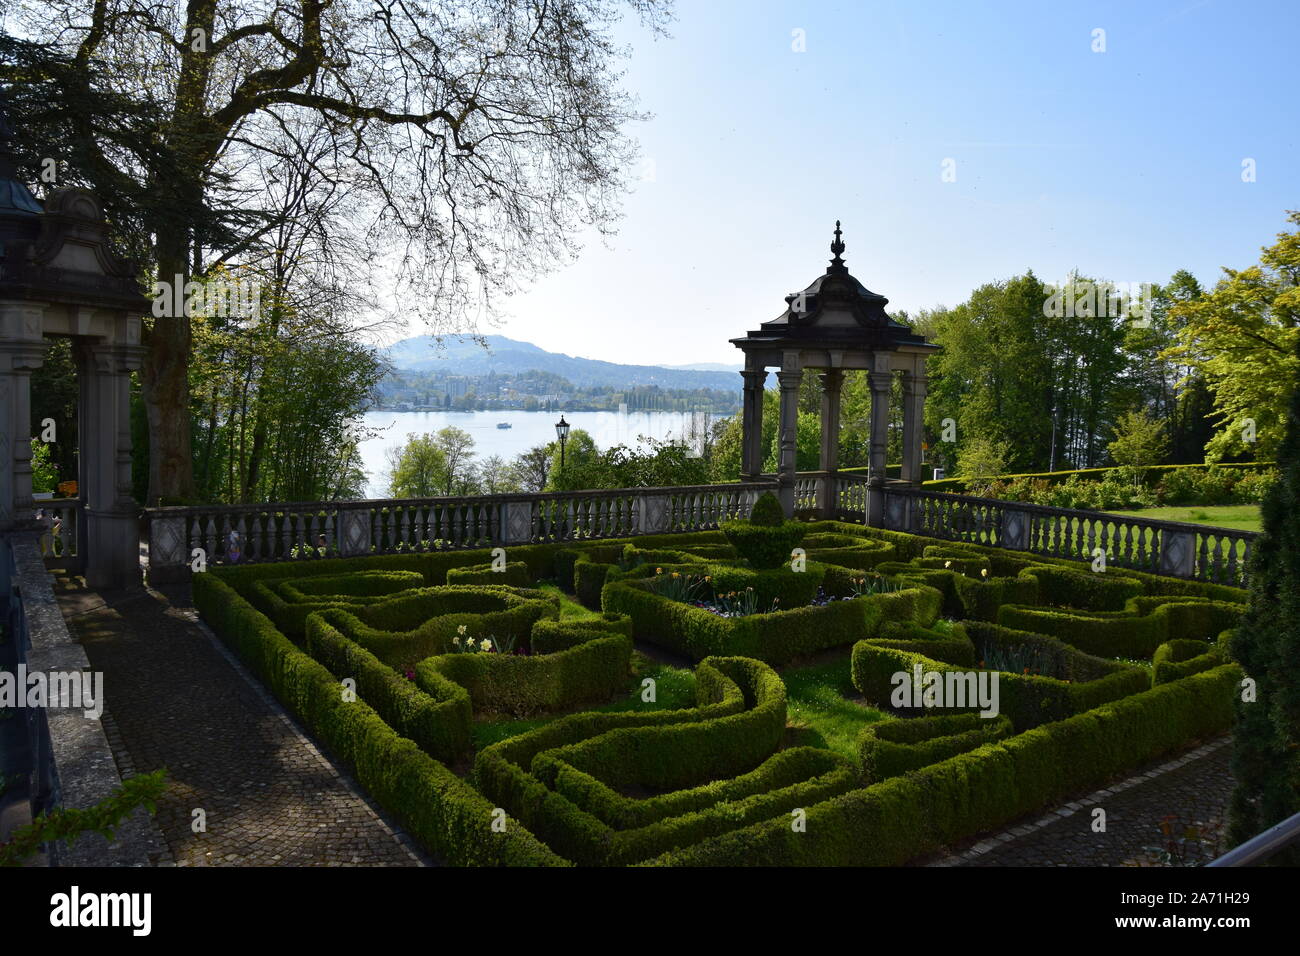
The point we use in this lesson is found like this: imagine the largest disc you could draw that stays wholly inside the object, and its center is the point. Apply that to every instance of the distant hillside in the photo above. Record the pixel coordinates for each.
(509, 356)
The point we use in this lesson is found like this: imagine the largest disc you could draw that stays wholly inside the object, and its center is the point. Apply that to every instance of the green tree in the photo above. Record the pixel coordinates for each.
(417, 468)
(1140, 440)
(1242, 337)
(981, 458)
(45, 473)
(1266, 740)
(484, 137)
(531, 469)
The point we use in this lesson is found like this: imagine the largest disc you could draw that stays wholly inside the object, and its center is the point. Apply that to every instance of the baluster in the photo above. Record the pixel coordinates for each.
(1218, 563)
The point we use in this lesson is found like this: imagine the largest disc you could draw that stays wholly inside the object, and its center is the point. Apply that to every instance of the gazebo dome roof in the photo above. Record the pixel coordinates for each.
(835, 309)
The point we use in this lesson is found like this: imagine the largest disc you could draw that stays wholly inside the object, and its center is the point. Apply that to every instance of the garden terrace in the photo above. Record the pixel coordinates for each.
(567, 740)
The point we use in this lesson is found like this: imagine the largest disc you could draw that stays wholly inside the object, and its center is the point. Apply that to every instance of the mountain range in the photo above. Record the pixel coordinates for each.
(510, 356)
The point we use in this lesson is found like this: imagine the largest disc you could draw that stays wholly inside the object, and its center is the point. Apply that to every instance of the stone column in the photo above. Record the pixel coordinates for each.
(881, 379)
(832, 380)
(22, 351)
(751, 444)
(790, 376)
(914, 387)
(112, 535)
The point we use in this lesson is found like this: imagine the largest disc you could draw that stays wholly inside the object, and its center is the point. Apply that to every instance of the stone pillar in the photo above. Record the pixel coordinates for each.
(790, 376)
(22, 351)
(751, 443)
(881, 379)
(914, 388)
(104, 437)
(832, 380)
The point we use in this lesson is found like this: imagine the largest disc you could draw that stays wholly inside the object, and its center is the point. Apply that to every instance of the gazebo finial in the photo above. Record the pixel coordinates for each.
(837, 248)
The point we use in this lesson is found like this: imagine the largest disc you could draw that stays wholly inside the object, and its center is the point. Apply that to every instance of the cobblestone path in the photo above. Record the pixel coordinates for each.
(1190, 790)
(177, 699)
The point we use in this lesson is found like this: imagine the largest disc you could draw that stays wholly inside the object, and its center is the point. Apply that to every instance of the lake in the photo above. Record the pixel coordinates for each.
(527, 430)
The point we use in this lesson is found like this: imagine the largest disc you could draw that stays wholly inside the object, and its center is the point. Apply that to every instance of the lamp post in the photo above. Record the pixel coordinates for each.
(562, 432)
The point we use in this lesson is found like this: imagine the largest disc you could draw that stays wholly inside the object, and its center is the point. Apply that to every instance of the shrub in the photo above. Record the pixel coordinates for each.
(951, 646)
(890, 748)
(1126, 633)
(404, 631)
(1177, 659)
(512, 574)
(775, 638)
(982, 789)
(441, 811)
(1028, 699)
(739, 724)
(436, 714)
(767, 511)
(595, 666)
(1086, 590)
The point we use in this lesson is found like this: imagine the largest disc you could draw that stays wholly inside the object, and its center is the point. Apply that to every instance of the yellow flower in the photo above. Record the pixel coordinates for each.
(659, 570)
(470, 642)
(676, 575)
(984, 572)
(708, 578)
(461, 630)
(947, 564)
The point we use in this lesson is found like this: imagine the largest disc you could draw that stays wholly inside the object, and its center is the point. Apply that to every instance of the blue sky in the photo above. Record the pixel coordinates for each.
(1125, 164)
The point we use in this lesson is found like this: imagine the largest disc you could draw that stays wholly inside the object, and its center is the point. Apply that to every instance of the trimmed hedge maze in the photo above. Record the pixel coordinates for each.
(399, 664)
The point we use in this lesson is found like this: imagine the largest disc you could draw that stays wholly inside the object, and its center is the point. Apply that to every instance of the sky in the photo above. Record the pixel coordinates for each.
(1124, 162)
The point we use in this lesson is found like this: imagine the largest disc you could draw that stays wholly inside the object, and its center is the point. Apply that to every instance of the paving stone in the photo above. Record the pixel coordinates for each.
(1195, 793)
(175, 700)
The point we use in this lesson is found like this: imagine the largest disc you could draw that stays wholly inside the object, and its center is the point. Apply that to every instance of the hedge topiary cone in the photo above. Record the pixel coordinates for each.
(767, 511)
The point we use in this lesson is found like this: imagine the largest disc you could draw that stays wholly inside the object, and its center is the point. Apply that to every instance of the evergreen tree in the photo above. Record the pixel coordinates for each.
(1266, 742)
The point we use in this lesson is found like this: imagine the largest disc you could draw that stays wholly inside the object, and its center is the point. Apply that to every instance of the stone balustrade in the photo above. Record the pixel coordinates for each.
(222, 534)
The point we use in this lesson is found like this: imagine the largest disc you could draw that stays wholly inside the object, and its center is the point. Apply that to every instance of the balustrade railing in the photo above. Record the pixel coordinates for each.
(184, 538)
(229, 534)
(1162, 547)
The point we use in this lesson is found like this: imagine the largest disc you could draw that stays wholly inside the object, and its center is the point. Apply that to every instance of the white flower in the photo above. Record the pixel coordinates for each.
(486, 644)
(470, 642)
(461, 630)
(947, 564)
(984, 572)
(456, 641)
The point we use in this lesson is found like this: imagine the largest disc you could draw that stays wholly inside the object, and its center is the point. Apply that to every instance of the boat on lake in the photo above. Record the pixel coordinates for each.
(504, 425)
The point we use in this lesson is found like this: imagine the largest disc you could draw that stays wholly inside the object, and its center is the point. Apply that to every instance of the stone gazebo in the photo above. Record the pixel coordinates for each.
(59, 277)
(833, 325)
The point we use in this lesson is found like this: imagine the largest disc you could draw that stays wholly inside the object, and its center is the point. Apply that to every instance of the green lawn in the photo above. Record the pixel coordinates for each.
(820, 711)
(1234, 517)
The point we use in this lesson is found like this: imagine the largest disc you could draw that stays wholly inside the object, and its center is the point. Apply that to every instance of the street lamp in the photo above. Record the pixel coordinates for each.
(562, 432)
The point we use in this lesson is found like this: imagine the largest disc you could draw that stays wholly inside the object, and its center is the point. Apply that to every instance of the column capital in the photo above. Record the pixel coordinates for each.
(881, 381)
(754, 376)
(914, 384)
(789, 379)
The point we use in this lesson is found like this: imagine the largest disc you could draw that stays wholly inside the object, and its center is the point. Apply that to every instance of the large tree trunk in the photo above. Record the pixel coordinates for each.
(166, 387)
